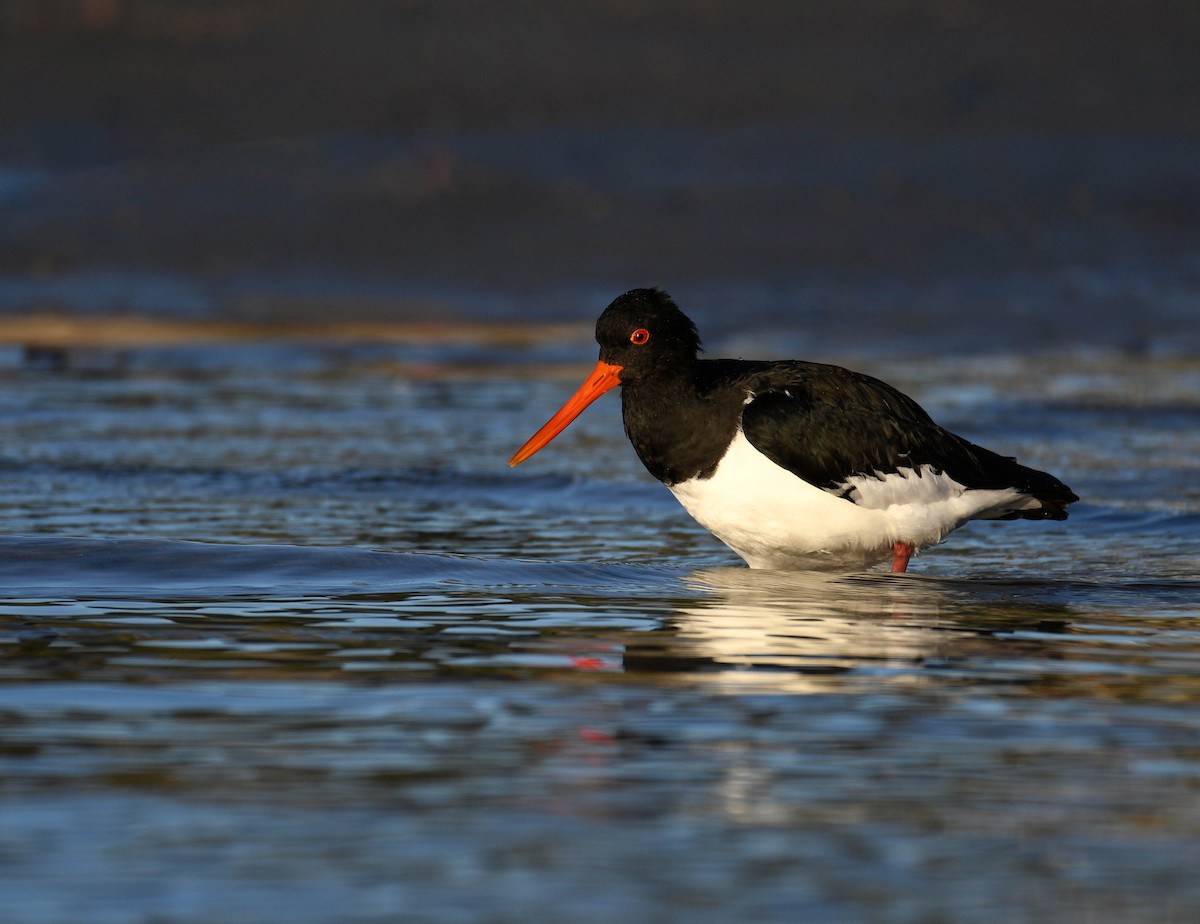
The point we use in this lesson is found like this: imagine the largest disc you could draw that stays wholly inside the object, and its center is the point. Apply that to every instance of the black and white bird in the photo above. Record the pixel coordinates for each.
(794, 465)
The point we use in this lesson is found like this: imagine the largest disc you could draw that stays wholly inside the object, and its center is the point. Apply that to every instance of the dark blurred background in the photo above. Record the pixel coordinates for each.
(951, 173)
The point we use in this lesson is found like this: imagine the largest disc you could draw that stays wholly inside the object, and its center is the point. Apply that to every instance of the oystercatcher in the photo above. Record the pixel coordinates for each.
(794, 465)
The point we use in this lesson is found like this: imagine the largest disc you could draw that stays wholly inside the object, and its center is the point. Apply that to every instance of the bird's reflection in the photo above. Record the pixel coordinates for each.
(812, 632)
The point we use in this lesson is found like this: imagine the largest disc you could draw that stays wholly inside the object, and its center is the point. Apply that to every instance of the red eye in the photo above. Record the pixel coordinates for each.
(639, 336)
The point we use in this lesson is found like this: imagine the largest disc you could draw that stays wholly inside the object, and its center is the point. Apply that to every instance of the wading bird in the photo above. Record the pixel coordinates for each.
(794, 465)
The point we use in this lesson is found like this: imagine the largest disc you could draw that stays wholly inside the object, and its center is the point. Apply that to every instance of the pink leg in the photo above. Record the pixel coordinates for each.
(901, 553)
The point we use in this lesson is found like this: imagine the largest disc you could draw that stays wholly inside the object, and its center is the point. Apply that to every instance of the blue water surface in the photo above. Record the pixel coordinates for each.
(283, 637)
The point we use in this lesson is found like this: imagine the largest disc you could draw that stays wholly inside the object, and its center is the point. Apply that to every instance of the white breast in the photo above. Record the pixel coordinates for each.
(774, 519)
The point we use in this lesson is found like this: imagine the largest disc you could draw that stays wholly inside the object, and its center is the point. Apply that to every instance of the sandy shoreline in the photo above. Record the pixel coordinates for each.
(43, 331)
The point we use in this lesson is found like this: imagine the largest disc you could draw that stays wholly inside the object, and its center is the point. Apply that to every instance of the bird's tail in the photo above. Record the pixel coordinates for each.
(1052, 495)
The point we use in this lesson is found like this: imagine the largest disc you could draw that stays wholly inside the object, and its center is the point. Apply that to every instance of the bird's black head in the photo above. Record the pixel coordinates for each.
(644, 332)
(642, 337)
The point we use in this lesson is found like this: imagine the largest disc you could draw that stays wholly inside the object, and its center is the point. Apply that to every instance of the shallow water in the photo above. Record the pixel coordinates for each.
(282, 638)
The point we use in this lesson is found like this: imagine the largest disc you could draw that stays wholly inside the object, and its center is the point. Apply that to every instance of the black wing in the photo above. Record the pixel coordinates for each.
(826, 424)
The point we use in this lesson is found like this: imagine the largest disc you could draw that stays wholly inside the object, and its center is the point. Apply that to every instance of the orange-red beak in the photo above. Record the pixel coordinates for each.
(603, 377)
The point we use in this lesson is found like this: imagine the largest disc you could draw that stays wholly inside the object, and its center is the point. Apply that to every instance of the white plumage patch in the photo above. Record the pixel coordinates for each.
(927, 487)
(773, 519)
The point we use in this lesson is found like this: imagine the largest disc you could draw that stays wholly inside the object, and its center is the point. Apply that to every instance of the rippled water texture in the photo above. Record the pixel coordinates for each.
(281, 638)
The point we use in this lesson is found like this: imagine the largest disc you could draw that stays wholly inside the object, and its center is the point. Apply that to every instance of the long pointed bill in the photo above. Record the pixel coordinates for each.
(603, 377)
